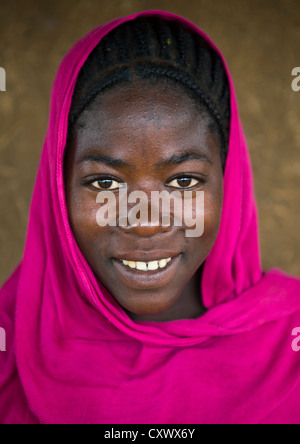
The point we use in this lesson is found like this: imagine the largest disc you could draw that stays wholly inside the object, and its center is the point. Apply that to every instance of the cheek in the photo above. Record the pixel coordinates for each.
(213, 210)
(207, 221)
(82, 215)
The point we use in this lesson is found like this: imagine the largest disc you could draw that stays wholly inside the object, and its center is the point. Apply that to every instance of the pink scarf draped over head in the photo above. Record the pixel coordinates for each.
(74, 356)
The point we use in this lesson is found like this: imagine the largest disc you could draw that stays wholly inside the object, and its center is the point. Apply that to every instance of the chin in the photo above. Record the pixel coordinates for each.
(149, 309)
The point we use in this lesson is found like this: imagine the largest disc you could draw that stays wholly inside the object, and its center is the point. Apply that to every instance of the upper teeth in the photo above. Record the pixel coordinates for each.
(145, 266)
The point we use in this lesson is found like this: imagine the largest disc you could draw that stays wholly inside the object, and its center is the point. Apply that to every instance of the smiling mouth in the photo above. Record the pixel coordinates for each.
(143, 275)
(147, 266)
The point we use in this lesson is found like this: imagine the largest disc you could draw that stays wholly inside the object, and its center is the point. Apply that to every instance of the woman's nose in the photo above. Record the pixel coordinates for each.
(145, 223)
(146, 230)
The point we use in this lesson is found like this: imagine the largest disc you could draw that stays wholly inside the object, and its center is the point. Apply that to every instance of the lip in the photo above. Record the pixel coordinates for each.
(142, 280)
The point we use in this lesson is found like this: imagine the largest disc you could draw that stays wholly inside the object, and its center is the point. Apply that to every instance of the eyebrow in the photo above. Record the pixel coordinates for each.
(107, 160)
(172, 161)
(182, 158)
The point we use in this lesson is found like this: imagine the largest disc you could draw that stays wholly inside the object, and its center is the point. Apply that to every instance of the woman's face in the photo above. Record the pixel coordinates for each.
(152, 138)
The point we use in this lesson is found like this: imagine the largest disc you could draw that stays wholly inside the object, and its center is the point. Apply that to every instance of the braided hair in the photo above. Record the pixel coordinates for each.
(152, 49)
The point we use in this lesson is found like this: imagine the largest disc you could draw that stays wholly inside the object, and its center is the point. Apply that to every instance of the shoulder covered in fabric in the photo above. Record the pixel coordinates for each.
(13, 404)
(288, 282)
(8, 297)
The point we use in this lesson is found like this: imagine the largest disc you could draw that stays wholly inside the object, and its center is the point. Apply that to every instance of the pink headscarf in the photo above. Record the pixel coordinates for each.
(74, 356)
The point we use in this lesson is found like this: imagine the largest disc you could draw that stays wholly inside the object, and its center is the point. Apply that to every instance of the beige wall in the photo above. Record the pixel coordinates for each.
(260, 39)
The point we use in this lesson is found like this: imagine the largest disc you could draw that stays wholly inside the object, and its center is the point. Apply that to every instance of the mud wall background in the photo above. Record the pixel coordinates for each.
(260, 40)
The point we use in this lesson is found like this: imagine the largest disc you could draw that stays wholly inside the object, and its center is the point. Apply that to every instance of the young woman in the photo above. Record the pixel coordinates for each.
(139, 323)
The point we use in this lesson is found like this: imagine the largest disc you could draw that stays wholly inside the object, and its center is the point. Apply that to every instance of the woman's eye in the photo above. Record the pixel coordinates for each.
(105, 184)
(184, 182)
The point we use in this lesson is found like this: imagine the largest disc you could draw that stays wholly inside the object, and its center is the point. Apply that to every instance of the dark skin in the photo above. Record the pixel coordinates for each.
(141, 125)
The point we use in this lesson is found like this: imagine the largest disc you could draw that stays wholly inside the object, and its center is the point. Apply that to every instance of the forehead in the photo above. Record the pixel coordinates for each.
(147, 119)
